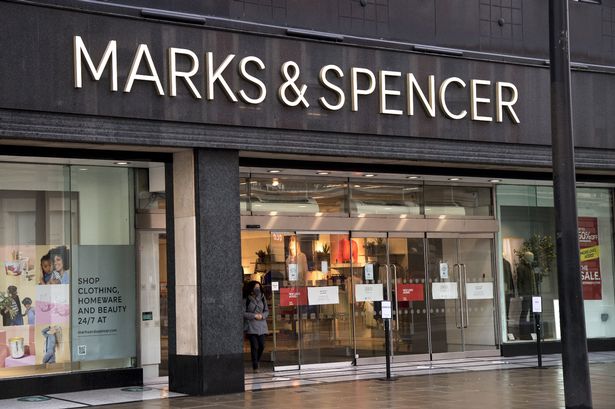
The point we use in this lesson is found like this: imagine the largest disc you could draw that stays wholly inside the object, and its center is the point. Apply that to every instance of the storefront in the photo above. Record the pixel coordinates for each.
(146, 155)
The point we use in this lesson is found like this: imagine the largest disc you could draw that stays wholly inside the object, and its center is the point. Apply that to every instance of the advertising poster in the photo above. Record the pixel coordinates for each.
(104, 303)
(589, 244)
(291, 296)
(410, 292)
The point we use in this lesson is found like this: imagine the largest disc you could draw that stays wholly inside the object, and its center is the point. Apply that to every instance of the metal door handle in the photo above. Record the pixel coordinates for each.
(386, 266)
(458, 312)
(396, 295)
(465, 296)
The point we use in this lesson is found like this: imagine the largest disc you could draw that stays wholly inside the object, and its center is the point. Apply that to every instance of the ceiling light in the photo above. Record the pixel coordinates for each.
(83, 169)
(274, 171)
(412, 177)
(369, 175)
(121, 163)
(322, 173)
(275, 182)
(454, 179)
(495, 180)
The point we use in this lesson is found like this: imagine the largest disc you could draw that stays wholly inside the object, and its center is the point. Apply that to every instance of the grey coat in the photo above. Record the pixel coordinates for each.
(252, 307)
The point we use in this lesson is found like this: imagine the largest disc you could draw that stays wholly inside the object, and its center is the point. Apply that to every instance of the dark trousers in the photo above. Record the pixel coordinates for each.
(257, 346)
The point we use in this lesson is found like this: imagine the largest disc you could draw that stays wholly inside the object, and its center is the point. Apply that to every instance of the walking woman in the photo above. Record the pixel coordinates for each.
(255, 320)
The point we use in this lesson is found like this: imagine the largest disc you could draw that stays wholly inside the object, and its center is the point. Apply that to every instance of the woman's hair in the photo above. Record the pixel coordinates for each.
(46, 257)
(248, 288)
(61, 252)
(13, 290)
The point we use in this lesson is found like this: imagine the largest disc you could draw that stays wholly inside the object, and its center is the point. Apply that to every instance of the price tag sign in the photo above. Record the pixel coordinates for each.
(386, 309)
(275, 285)
(324, 266)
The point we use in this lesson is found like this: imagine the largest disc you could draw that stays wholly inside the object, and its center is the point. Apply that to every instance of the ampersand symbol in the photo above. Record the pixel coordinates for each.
(290, 82)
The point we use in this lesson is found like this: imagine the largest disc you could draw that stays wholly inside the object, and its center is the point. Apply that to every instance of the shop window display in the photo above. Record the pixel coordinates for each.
(52, 218)
(528, 262)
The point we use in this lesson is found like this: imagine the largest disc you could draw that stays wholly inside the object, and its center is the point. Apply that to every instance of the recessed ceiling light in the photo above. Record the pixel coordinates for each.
(322, 173)
(369, 175)
(495, 180)
(454, 179)
(121, 163)
(412, 177)
(274, 171)
(83, 169)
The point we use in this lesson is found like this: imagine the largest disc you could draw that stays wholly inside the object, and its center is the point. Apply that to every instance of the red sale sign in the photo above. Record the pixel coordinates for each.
(410, 292)
(590, 258)
(291, 296)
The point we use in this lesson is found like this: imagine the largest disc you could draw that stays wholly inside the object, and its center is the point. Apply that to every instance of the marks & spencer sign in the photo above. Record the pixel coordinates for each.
(242, 80)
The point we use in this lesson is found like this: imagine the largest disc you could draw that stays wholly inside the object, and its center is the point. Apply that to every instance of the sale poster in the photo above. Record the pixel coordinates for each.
(589, 244)
(410, 292)
(291, 296)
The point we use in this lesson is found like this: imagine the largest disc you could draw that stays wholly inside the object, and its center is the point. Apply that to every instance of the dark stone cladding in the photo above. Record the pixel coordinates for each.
(44, 126)
(70, 382)
(218, 243)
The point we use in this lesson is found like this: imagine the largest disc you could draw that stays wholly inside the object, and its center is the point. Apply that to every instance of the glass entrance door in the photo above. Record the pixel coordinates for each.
(311, 292)
(391, 266)
(461, 295)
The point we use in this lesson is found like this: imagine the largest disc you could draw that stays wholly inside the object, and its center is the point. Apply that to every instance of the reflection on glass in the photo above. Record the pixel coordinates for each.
(297, 196)
(380, 199)
(243, 195)
(457, 201)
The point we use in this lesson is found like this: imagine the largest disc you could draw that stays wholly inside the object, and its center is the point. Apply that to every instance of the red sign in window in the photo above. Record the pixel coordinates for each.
(410, 292)
(290, 296)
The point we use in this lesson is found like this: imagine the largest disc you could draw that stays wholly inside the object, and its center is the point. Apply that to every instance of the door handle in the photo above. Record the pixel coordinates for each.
(396, 295)
(465, 295)
(458, 312)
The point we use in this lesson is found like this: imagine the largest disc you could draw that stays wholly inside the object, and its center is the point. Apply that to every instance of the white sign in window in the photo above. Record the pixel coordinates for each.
(368, 292)
(479, 291)
(324, 266)
(323, 295)
(444, 291)
(275, 286)
(444, 271)
(386, 309)
(293, 272)
(536, 304)
(369, 271)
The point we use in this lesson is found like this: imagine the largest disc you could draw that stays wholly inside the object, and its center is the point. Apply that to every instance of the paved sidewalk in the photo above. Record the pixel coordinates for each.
(489, 382)
(512, 388)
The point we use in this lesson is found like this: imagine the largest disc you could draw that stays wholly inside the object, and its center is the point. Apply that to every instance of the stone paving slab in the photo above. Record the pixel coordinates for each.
(524, 388)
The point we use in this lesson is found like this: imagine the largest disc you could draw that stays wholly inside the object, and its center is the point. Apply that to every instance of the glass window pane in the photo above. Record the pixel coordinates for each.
(243, 195)
(381, 199)
(596, 242)
(104, 276)
(289, 195)
(36, 214)
(528, 260)
(150, 187)
(457, 201)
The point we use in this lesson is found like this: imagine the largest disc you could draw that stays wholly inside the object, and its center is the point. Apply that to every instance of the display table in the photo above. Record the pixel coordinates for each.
(23, 361)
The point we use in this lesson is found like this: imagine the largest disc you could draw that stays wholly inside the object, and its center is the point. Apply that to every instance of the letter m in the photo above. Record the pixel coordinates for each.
(80, 53)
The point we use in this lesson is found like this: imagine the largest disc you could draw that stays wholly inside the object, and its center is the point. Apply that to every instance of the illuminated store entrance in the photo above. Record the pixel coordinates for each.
(324, 291)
